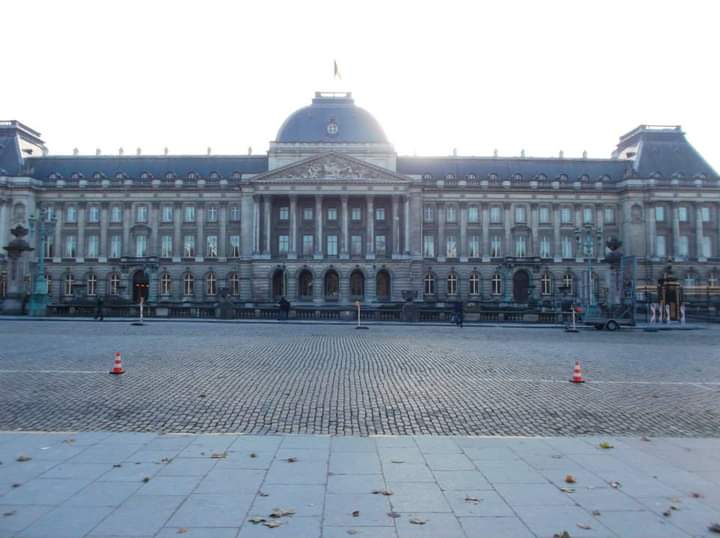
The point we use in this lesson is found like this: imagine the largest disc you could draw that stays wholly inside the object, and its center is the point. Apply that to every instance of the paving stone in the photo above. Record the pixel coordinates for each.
(445, 525)
(372, 510)
(418, 497)
(604, 499)
(67, 522)
(169, 485)
(533, 495)
(353, 444)
(198, 532)
(480, 503)
(367, 532)
(449, 462)
(355, 483)
(187, 467)
(407, 472)
(506, 472)
(307, 501)
(401, 454)
(231, 481)
(203, 510)
(20, 517)
(104, 494)
(545, 523)
(641, 525)
(88, 471)
(139, 516)
(44, 491)
(291, 527)
(130, 471)
(282, 472)
(497, 527)
(461, 480)
(354, 463)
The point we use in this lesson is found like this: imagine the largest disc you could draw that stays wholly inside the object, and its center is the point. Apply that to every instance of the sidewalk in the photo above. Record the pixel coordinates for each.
(105, 484)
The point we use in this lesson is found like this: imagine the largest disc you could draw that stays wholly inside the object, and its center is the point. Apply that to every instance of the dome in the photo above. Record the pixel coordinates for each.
(332, 117)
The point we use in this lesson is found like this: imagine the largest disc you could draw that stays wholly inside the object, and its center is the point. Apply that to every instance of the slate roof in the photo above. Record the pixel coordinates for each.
(667, 153)
(9, 155)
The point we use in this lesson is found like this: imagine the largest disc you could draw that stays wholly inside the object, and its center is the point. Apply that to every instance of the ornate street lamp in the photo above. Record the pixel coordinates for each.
(44, 227)
(588, 238)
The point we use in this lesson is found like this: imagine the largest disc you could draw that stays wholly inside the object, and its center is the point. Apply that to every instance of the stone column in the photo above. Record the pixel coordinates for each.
(396, 226)
(318, 227)
(345, 247)
(485, 231)
(81, 229)
(533, 249)
(462, 248)
(247, 206)
(416, 217)
(154, 223)
(222, 246)
(127, 215)
(557, 247)
(103, 231)
(293, 240)
(256, 224)
(267, 209)
(442, 246)
(177, 230)
(675, 231)
(507, 217)
(370, 228)
(406, 216)
(200, 246)
(60, 217)
(578, 216)
(4, 239)
(650, 231)
(699, 234)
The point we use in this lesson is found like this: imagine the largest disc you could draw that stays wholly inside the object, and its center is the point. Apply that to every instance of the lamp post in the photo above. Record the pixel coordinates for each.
(587, 237)
(44, 226)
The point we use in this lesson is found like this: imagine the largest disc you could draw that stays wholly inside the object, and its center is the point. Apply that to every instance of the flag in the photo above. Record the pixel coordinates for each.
(336, 71)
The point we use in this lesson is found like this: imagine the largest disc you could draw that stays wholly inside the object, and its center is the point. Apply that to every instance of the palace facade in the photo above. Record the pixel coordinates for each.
(331, 215)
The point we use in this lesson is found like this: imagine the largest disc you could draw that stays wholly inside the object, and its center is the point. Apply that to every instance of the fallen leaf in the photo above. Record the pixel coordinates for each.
(567, 490)
(644, 438)
(569, 479)
(146, 479)
(219, 455)
(565, 534)
(385, 492)
(257, 519)
(352, 531)
(606, 445)
(596, 513)
(16, 485)
(615, 484)
(696, 495)
(182, 530)
(418, 520)
(397, 461)
(584, 526)
(715, 527)
(667, 513)
(23, 457)
(253, 455)
(271, 524)
(117, 465)
(292, 460)
(69, 441)
(201, 396)
(556, 457)
(166, 460)
(469, 499)
(356, 513)
(674, 507)
(10, 513)
(393, 515)
(263, 494)
(282, 512)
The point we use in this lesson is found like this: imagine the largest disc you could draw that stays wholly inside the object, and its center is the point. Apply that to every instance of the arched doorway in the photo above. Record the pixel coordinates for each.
(305, 285)
(521, 283)
(332, 285)
(141, 286)
(357, 284)
(279, 284)
(382, 285)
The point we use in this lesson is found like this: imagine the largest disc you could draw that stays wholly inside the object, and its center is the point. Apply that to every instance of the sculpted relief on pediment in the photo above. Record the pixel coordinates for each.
(331, 167)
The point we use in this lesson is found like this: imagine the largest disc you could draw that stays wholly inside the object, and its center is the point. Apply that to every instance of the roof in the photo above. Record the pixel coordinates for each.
(10, 158)
(332, 117)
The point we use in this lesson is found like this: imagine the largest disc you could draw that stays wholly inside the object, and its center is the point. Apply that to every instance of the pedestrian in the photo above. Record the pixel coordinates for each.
(284, 309)
(458, 313)
(99, 309)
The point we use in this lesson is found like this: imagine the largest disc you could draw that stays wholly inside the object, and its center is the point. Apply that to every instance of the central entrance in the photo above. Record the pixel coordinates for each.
(141, 286)
(521, 283)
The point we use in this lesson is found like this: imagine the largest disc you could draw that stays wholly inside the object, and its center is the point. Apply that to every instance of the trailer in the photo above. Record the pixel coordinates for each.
(618, 308)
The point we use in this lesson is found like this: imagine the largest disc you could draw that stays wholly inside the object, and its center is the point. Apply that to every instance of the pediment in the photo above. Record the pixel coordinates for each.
(330, 167)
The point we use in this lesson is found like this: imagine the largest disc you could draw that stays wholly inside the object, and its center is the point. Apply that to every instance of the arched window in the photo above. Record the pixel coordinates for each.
(546, 284)
(357, 284)
(332, 285)
(305, 284)
(429, 283)
(452, 284)
(188, 284)
(91, 285)
(690, 280)
(165, 284)
(210, 284)
(234, 283)
(474, 283)
(568, 283)
(114, 283)
(496, 284)
(68, 285)
(382, 285)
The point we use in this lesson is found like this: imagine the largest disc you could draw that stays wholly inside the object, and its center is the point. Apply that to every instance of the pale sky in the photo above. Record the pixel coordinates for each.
(535, 75)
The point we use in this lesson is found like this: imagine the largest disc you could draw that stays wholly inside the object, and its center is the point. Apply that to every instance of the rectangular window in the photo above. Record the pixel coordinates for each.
(428, 213)
(284, 213)
(379, 213)
(567, 247)
(283, 244)
(495, 215)
(307, 213)
(49, 247)
(93, 244)
(235, 246)
(609, 215)
(705, 214)
(141, 246)
(474, 246)
(332, 213)
(520, 217)
(189, 246)
(545, 247)
(116, 214)
(544, 215)
(51, 213)
(659, 214)
(660, 250)
(70, 246)
(451, 247)
(141, 213)
(521, 246)
(451, 214)
(682, 214)
(380, 245)
(212, 246)
(115, 246)
(356, 214)
(356, 245)
(473, 214)
(167, 213)
(332, 245)
(429, 246)
(189, 213)
(565, 215)
(308, 245)
(71, 214)
(93, 214)
(235, 213)
(706, 247)
(496, 246)
(212, 214)
(166, 246)
(587, 215)
(683, 246)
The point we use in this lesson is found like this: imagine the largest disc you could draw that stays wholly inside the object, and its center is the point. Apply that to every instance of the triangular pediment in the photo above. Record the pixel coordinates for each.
(330, 167)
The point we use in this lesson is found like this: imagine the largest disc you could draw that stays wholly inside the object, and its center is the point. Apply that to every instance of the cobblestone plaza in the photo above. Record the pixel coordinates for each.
(331, 379)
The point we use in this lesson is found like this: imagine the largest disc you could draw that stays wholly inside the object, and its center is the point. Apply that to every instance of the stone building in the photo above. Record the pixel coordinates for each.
(331, 215)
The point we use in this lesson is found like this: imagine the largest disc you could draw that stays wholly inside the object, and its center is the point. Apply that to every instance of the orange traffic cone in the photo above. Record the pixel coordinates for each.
(117, 367)
(577, 374)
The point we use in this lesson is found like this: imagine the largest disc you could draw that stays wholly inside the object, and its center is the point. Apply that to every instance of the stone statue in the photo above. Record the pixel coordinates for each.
(682, 314)
(14, 298)
(653, 312)
(667, 313)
